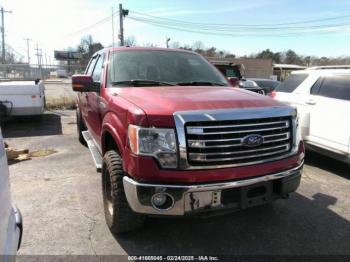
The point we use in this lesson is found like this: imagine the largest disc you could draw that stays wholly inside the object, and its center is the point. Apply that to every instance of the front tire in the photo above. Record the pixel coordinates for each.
(119, 216)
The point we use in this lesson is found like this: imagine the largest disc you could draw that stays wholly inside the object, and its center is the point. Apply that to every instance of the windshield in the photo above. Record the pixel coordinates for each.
(165, 67)
(293, 81)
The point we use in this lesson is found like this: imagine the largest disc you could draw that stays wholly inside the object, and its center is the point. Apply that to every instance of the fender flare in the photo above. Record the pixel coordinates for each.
(110, 125)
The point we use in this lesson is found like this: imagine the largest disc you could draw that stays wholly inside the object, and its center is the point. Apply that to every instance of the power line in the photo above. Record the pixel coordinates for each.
(98, 23)
(14, 50)
(205, 29)
(183, 29)
(210, 27)
(244, 25)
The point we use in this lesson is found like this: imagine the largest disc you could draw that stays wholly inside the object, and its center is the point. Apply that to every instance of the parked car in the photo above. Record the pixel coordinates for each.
(233, 74)
(267, 85)
(21, 98)
(251, 86)
(62, 73)
(322, 97)
(11, 227)
(171, 137)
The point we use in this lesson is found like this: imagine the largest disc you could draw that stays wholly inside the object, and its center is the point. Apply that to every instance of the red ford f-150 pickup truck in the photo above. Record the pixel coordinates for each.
(171, 137)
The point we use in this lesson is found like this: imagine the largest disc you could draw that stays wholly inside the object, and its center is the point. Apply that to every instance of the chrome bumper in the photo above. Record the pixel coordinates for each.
(203, 197)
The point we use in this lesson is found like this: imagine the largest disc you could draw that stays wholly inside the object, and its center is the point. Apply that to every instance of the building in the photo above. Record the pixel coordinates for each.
(251, 67)
(282, 71)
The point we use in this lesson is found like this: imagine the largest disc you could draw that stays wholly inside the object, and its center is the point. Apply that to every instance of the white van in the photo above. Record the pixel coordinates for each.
(11, 226)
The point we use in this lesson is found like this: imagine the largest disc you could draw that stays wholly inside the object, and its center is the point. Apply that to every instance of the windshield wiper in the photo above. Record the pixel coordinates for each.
(141, 82)
(200, 83)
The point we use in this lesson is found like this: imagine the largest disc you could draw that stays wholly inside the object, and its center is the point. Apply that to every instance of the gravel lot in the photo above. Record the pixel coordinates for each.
(60, 199)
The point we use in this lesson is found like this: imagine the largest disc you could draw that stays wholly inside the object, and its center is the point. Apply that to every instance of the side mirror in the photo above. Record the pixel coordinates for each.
(83, 83)
(233, 81)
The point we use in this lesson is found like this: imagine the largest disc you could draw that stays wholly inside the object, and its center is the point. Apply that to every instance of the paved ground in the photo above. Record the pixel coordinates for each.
(60, 198)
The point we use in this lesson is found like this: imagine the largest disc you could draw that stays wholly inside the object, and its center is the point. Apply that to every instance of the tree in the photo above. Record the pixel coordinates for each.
(186, 47)
(198, 47)
(149, 44)
(130, 41)
(292, 58)
(221, 53)
(87, 48)
(211, 52)
(307, 60)
(175, 44)
(268, 54)
(229, 55)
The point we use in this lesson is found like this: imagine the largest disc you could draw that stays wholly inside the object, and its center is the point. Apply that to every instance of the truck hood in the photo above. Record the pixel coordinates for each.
(159, 103)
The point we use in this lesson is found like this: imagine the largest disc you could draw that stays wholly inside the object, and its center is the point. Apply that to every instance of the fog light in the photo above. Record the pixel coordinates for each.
(162, 201)
(159, 199)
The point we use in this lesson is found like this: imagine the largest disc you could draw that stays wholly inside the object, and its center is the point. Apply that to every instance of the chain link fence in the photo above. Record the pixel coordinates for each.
(12, 72)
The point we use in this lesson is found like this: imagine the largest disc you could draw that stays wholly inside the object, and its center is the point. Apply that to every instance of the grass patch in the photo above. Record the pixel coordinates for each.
(60, 103)
(42, 153)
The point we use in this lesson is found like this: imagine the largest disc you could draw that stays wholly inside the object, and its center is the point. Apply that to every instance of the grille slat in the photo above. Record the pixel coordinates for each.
(236, 152)
(197, 131)
(221, 142)
(224, 143)
(243, 157)
(242, 125)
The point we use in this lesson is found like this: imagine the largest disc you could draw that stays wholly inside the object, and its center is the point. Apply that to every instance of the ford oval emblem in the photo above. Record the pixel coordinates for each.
(252, 140)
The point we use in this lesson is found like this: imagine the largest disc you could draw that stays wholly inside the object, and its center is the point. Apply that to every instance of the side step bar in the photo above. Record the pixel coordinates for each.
(95, 153)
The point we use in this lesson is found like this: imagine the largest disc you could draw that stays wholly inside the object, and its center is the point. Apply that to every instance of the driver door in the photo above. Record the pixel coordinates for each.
(94, 99)
(83, 97)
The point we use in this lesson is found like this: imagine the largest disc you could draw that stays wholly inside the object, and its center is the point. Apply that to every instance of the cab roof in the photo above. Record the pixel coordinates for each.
(137, 48)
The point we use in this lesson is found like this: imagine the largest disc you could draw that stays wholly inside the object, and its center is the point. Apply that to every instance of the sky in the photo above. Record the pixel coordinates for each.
(59, 25)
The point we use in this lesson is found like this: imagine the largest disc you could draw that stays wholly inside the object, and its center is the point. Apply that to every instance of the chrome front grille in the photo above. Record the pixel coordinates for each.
(213, 143)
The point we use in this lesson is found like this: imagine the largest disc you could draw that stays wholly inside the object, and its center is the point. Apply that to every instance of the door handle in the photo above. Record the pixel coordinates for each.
(310, 102)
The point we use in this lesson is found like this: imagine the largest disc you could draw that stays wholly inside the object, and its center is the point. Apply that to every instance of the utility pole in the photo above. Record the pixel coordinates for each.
(167, 42)
(122, 14)
(112, 27)
(28, 55)
(45, 60)
(3, 32)
(39, 54)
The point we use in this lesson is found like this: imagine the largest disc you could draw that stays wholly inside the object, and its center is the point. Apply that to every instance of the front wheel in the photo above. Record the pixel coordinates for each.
(119, 216)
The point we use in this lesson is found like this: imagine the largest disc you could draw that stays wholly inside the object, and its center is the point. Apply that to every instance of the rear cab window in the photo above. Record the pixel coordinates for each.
(293, 81)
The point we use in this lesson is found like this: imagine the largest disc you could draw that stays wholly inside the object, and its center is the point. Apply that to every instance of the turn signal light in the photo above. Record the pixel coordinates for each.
(272, 94)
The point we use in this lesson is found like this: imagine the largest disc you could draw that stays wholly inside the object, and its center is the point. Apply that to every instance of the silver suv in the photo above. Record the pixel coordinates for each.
(11, 227)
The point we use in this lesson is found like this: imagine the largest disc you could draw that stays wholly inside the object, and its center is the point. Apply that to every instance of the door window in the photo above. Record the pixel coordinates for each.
(315, 89)
(91, 66)
(336, 87)
(96, 75)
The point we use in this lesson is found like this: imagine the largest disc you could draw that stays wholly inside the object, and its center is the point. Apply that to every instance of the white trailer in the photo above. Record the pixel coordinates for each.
(20, 98)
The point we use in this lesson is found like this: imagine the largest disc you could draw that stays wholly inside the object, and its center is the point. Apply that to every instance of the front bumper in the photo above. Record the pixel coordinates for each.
(189, 199)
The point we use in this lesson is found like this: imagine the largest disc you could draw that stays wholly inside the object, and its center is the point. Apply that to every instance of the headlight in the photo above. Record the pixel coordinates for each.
(157, 142)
